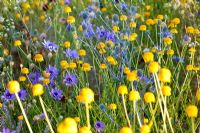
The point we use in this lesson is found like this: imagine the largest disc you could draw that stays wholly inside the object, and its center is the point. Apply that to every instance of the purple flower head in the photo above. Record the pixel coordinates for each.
(187, 38)
(7, 96)
(56, 94)
(51, 46)
(70, 79)
(67, 2)
(99, 125)
(7, 130)
(73, 54)
(22, 94)
(53, 71)
(39, 117)
(34, 77)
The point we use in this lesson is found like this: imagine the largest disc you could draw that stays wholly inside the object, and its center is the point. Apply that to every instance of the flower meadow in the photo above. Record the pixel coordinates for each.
(99, 66)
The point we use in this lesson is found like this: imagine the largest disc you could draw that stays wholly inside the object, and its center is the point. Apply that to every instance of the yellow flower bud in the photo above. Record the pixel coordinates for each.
(153, 67)
(143, 28)
(82, 52)
(167, 41)
(125, 130)
(145, 129)
(134, 95)
(70, 19)
(148, 57)
(67, 44)
(149, 97)
(64, 64)
(86, 95)
(38, 58)
(166, 90)
(112, 106)
(13, 86)
(20, 118)
(103, 66)
(22, 78)
(17, 43)
(164, 75)
(122, 90)
(84, 130)
(25, 70)
(68, 125)
(37, 89)
(132, 76)
(86, 67)
(192, 111)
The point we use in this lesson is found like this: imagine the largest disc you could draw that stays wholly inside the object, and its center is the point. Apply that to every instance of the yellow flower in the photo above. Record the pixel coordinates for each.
(104, 9)
(67, 9)
(134, 95)
(143, 27)
(46, 74)
(174, 31)
(70, 19)
(126, 70)
(145, 129)
(192, 111)
(67, 44)
(148, 57)
(155, 21)
(37, 89)
(64, 64)
(133, 36)
(17, 43)
(101, 45)
(72, 65)
(1, 105)
(167, 41)
(147, 14)
(122, 90)
(149, 97)
(116, 28)
(17, 15)
(153, 67)
(176, 21)
(132, 76)
(20, 118)
(112, 106)
(42, 17)
(192, 50)
(198, 94)
(22, 78)
(80, 28)
(86, 95)
(123, 17)
(86, 67)
(77, 119)
(38, 58)
(25, 70)
(46, 81)
(103, 66)
(82, 52)
(166, 90)
(111, 60)
(170, 52)
(149, 22)
(164, 75)
(68, 125)
(190, 29)
(25, 19)
(148, 7)
(84, 130)
(145, 120)
(160, 17)
(25, 6)
(125, 130)
(189, 67)
(133, 24)
(13, 86)
(196, 31)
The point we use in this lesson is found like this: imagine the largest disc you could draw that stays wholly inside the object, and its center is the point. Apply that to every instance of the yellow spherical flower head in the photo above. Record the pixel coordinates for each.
(148, 57)
(72, 65)
(13, 86)
(133, 24)
(115, 28)
(64, 64)
(25, 70)
(123, 17)
(142, 27)
(38, 58)
(189, 67)
(122, 90)
(67, 44)
(153, 67)
(20, 118)
(77, 119)
(132, 76)
(112, 106)
(103, 66)
(198, 94)
(149, 22)
(86, 95)
(134, 95)
(164, 75)
(86, 67)
(170, 52)
(189, 29)
(145, 129)
(176, 21)
(25, 6)
(149, 97)
(166, 90)
(17, 43)
(133, 36)
(67, 9)
(70, 19)
(167, 41)
(37, 89)
(192, 50)
(82, 52)
(126, 70)
(68, 125)
(125, 130)
(84, 130)
(160, 17)
(192, 111)
(22, 78)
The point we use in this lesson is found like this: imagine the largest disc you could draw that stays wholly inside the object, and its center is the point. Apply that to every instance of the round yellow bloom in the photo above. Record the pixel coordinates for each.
(132, 76)
(176, 21)
(38, 58)
(68, 125)
(25, 70)
(103, 66)
(145, 129)
(133, 24)
(20, 118)
(189, 29)
(86, 95)
(84, 130)
(166, 90)
(122, 90)
(149, 97)
(67, 9)
(115, 28)
(17, 43)
(125, 130)
(86, 67)
(167, 41)
(13, 86)
(25, 6)
(126, 70)
(46, 74)
(17, 15)
(123, 17)
(164, 75)
(170, 52)
(46, 81)
(148, 7)
(192, 111)
(148, 57)
(67, 44)
(192, 50)
(70, 19)
(196, 31)
(37, 89)
(22, 78)
(189, 67)
(77, 119)
(198, 94)
(112, 106)
(82, 52)
(142, 27)
(72, 65)
(133, 36)
(64, 64)
(134, 95)
(149, 22)
(153, 67)
(1, 105)
(160, 17)
(147, 14)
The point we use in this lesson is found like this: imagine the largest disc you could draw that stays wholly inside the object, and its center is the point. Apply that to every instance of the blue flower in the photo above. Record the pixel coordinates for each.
(73, 54)
(34, 77)
(7, 96)
(51, 46)
(53, 71)
(7, 130)
(99, 125)
(70, 79)
(67, 2)
(56, 94)
(187, 38)
(22, 94)
(102, 107)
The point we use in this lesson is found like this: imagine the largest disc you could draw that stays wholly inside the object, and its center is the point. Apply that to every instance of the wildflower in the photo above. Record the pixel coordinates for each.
(112, 106)
(51, 46)
(143, 27)
(25, 6)
(103, 66)
(22, 94)
(132, 76)
(122, 90)
(167, 41)
(149, 22)
(153, 67)
(148, 57)
(22, 78)
(176, 21)
(64, 64)
(34, 77)
(53, 71)
(99, 125)
(192, 50)
(82, 52)
(46, 81)
(189, 29)
(84, 130)
(192, 111)
(145, 129)
(125, 130)
(164, 75)
(73, 54)
(7, 96)
(116, 28)
(37, 89)
(77, 119)
(160, 17)
(149, 97)
(86, 67)
(198, 94)
(7, 130)
(67, 44)
(25, 70)
(1, 105)
(166, 90)
(126, 70)
(56, 94)
(189, 67)
(72, 65)
(20, 117)
(67, 9)
(170, 52)
(70, 79)
(134, 95)
(123, 17)
(68, 125)
(70, 19)
(38, 58)
(196, 31)
(132, 24)
(133, 36)
(17, 43)
(86, 95)
(13, 86)
(17, 15)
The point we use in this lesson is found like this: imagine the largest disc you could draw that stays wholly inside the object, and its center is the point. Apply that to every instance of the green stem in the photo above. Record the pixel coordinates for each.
(125, 110)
